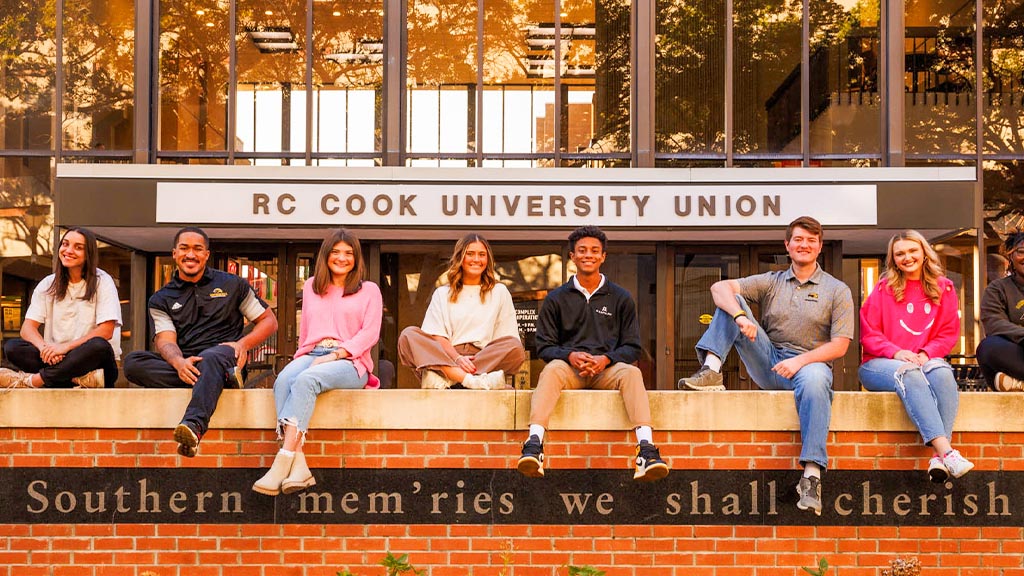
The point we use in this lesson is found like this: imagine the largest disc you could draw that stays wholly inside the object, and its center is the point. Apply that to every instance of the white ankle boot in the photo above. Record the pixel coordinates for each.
(300, 477)
(270, 484)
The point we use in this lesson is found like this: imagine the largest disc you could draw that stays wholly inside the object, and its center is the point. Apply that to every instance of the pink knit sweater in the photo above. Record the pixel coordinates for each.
(353, 320)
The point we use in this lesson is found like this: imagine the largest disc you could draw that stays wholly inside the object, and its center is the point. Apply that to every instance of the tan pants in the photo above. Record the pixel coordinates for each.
(419, 350)
(559, 375)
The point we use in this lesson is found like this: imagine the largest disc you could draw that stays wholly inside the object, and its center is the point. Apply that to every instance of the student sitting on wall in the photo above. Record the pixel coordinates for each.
(198, 320)
(588, 333)
(469, 335)
(80, 313)
(806, 323)
(908, 324)
(1001, 353)
(341, 317)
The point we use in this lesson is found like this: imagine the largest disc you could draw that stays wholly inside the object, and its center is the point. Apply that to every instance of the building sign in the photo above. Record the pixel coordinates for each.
(475, 496)
(497, 205)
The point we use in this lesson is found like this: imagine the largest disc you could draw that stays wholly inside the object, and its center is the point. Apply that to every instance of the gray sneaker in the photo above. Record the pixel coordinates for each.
(809, 490)
(1007, 383)
(703, 379)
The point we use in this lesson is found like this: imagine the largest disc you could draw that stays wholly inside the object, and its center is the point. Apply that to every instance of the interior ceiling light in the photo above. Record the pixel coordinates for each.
(541, 41)
(200, 12)
(209, 24)
(365, 51)
(273, 39)
(269, 12)
(335, 13)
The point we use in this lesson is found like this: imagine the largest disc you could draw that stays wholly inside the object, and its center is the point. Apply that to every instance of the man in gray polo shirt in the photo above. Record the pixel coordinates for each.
(806, 322)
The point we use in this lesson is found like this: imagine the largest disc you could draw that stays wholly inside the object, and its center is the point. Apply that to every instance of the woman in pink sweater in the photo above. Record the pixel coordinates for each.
(341, 316)
(908, 324)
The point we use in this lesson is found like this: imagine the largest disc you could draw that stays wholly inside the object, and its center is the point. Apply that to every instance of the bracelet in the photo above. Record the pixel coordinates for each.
(738, 314)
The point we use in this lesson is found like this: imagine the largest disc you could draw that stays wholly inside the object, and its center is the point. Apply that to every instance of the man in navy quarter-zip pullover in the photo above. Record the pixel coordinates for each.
(588, 334)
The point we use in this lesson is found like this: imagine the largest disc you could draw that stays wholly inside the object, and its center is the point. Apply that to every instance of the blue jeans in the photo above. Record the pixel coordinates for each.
(298, 385)
(812, 385)
(928, 392)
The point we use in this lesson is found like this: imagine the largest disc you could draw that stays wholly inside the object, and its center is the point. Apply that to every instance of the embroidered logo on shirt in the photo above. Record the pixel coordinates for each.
(1020, 304)
(603, 311)
(177, 306)
(218, 293)
(812, 297)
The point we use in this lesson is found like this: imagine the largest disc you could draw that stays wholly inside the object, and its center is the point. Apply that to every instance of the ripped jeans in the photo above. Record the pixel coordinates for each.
(299, 383)
(928, 392)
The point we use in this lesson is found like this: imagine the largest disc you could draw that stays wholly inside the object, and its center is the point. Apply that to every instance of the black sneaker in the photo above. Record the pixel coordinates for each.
(649, 465)
(531, 463)
(187, 439)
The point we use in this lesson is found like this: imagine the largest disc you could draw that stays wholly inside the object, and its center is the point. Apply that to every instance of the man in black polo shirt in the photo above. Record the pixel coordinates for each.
(197, 324)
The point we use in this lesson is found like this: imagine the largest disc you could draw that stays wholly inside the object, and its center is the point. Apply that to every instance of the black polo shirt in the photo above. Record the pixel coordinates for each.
(206, 313)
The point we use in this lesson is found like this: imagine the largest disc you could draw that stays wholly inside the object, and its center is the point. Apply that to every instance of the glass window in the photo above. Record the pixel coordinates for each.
(844, 97)
(766, 73)
(193, 75)
(26, 229)
(29, 75)
(99, 68)
(441, 71)
(596, 69)
(271, 91)
(939, 77)
(1004, 77)
(690, 77)
(519, 81)
(348, 72)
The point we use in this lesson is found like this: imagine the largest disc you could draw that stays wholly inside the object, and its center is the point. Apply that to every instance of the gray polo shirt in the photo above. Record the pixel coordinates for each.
(801, 316)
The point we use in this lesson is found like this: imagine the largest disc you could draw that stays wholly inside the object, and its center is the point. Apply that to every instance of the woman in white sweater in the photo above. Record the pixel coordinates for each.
(469, 335)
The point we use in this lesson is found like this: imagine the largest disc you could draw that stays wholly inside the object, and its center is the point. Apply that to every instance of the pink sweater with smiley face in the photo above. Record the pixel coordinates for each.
(915, 323)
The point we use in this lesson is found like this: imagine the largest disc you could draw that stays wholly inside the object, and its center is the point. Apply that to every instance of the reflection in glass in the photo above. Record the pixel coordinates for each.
(29, 74)
(99, 70)
(939, 77)
(690, 77)
(193, 74)
(348, 71)
(271, 110)
(441, 77)
(1004, 78)
(26, 228)
(694, 275)
(767, 76)
(519, 78)
(844, 97)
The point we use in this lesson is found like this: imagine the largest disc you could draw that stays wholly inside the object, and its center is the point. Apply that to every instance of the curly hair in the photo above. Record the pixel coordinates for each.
(454, 272)
(931, 269)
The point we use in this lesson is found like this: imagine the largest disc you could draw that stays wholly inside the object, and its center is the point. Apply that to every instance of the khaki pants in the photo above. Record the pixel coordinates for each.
(418, 350)
(559, 375)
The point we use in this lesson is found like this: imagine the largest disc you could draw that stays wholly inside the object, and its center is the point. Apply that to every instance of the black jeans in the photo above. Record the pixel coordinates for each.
(1000, 354)
(94, 353)
(150, 370)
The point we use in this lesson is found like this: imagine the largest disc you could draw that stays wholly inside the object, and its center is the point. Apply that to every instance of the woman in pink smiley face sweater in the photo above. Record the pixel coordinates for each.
(908, 324)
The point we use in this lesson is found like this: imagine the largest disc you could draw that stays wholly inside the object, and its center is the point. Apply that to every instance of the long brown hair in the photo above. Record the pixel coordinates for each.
(931, 268)
(322, 272)
(454, 273)
(62, 276)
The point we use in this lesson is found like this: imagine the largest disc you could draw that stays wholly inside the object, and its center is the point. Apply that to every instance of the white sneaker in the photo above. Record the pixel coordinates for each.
(956, 464)
(937, 470)
(434, 381)
(486, 381)
(92, 379)
(1007, 383)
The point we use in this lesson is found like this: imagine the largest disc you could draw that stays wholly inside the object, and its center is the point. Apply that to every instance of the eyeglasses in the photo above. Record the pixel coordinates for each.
(1019, 252)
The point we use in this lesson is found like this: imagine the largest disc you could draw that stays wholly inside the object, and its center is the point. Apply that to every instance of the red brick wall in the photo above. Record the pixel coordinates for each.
(512, 550)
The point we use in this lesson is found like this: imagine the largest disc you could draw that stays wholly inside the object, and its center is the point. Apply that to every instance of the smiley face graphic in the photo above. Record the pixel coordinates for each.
(924, 313)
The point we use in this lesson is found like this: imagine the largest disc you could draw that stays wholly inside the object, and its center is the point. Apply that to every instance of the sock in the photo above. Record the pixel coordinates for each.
(537, 430)
(287, 452)
(644, 433)
(713, 362)
(812, 470)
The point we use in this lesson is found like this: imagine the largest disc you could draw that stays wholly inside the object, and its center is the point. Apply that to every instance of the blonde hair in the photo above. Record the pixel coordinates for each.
(931, 269)
(454, 273)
